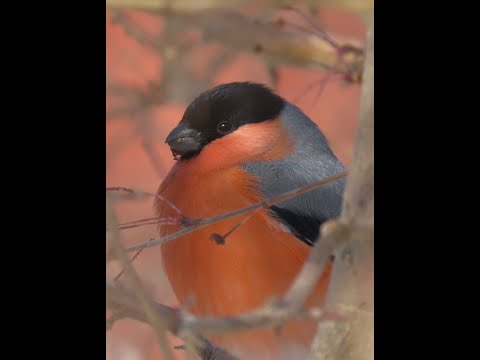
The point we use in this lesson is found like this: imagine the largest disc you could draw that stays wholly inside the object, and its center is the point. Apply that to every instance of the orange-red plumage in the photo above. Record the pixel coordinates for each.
(257, 262)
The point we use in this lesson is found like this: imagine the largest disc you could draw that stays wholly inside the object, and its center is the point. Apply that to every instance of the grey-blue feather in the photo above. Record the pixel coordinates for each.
(312, 160)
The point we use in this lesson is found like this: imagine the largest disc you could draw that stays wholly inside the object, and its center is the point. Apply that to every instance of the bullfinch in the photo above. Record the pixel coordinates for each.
(237, 144)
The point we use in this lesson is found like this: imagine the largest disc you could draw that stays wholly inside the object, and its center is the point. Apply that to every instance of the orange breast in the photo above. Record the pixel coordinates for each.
(257, 262)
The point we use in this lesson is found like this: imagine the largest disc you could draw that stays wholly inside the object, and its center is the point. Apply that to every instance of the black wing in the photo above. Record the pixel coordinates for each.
(306, 228)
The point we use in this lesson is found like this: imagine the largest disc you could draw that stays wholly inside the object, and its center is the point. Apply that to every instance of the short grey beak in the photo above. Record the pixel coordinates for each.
(183, 141)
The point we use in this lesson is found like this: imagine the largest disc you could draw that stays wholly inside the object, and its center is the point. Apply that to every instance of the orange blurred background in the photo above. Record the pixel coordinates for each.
(138, 158)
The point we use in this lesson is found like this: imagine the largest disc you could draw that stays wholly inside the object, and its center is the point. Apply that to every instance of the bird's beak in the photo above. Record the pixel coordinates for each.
(184, 142)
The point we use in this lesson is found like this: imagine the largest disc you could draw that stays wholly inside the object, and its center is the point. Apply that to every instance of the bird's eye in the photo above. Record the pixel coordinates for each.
(224, 127)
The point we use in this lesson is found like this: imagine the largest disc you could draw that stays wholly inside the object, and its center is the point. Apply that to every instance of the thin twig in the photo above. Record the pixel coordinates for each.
(196, 224)
(322, 83)
(220, 239)
(321, 32)
(134, 280)
(154, 221)
(119, 275)
(321, 87)
(140, 194)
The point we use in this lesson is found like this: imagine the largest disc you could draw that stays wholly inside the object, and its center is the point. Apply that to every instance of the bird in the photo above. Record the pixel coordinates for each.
(237, 144)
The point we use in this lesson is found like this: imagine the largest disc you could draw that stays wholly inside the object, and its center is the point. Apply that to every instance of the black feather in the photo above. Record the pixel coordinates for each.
(305, 228)
(237, 103)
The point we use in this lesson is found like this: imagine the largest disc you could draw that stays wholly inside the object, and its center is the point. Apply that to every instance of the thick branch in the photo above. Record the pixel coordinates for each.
(273, 314)
(176, 5)
(351, 290)
(359, 6)
(358, 200)
(246, 33)
(122, 301)
(315, 264)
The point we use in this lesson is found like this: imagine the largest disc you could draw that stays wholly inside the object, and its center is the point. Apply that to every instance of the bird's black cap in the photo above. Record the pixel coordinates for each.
(220, 111)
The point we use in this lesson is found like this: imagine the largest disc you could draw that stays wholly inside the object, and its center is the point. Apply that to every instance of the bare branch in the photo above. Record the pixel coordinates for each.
(358, 199)
(279, 46)
(175, 6)
(195, 224)
(321, 32)
(144, 222)
(243, 32)
(272, 314)
(120, 300)
(350, 237)
(321, 84)
(154, 318)
(351, 290)
(138, 194)
(358, 6)
(112, 319)
(314, 266)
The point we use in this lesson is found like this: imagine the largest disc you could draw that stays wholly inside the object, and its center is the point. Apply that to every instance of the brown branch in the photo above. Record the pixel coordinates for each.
(138, 194)
(245, 33)
(272, 314)
(358, 200)
(177, 5)
(195, 224)
(154, 317)
(321, 83)
(119, 275)
(154, 221)
(220, 239)
(321, 32)
(314, 266)
(351, 233)
(114, 318)
(358, 6)
(120, 300)
(351, 289)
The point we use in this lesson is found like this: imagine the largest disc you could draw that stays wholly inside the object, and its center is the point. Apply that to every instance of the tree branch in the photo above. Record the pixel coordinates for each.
(358, 6)
(350, 237)
(243, 32)
(351, 290)
(315, 264)
(135, 282)
(175, 6)
(273, 313)
(195, 224)
(122, 301)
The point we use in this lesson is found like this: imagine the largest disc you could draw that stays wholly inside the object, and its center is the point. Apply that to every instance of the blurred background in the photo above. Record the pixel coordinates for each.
(158, 61)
